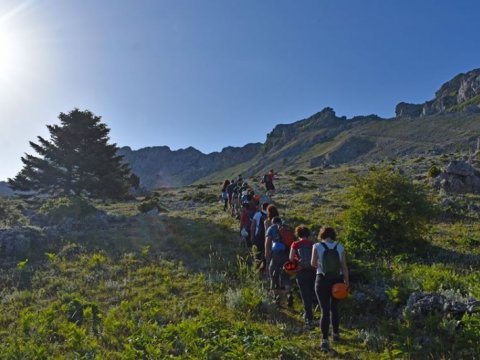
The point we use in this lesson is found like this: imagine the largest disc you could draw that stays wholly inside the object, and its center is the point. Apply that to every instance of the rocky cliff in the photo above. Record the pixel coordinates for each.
(160, 166)
(462, 93)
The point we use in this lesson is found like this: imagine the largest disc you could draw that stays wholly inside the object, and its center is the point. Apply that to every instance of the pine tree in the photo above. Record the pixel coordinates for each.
(77, 160)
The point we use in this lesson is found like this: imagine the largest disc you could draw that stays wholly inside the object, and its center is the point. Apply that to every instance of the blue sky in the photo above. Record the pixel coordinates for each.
(215, 73)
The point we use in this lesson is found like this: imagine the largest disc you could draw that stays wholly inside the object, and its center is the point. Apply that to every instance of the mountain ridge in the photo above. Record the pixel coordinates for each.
(449, 122)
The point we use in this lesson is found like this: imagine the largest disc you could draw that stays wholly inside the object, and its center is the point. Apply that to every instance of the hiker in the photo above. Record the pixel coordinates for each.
(237, 205)
(245, 224)
(226, 183)
(301, 253)
(230, 188)
(272, 211)
(276, 253)
(257, 232)
(328, 257)
(268, 182)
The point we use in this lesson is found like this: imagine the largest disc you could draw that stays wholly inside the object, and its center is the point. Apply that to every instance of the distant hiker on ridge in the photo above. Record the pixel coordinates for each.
(268, 182)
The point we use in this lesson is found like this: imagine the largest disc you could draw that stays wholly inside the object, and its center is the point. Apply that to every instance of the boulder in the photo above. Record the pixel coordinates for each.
(450, 304)
(459, 177)
(461, 168)
(20, 242)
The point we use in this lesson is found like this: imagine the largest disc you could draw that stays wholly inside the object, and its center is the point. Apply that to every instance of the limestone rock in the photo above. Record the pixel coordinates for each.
(449, 303)
(460, 168)
(459, 177)
(408, 110)
(462, 93)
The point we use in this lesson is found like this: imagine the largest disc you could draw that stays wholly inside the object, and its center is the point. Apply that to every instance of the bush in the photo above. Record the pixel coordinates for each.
(58, 209)
(434, 171)
(150, 203)
(10, 215)
(388, 213)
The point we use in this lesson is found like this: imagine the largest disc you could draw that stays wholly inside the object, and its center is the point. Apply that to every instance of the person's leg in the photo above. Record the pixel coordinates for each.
(335, 314)
(306, 285)
(322, 289)
(274, 276)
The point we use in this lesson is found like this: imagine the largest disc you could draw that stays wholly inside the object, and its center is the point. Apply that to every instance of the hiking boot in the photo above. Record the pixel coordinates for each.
(336, 338)
(290, 300)
(309, 325)
(324, 347)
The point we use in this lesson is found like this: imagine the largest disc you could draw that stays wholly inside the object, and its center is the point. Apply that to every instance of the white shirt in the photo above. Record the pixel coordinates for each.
(258, 219)
(320, 250)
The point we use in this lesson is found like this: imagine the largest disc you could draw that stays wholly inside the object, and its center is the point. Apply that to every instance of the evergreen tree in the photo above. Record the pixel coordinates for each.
(77, 160)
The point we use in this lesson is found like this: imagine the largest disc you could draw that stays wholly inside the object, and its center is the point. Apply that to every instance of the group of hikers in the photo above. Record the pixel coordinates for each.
(283, 253)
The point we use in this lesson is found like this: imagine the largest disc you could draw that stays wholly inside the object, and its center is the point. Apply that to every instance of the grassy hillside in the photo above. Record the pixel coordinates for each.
(180, 284)
(324, 139)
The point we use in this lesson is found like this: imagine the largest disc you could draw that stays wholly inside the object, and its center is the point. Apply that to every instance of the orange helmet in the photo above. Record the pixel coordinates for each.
(290, 268)
(256, 198)
(340, 291)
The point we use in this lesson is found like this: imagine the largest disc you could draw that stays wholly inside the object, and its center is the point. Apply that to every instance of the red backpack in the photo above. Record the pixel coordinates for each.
(287, 234)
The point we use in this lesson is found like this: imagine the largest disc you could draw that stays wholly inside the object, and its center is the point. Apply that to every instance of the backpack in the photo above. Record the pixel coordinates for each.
(331, 262)
(265, 179)
(305, 255)
(261, 229)
(287, 234)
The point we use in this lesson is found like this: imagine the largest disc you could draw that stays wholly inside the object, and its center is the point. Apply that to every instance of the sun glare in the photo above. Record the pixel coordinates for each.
(9, 52)
(13, 44)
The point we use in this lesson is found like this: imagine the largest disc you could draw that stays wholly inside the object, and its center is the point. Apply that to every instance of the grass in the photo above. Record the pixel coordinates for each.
(179, 285)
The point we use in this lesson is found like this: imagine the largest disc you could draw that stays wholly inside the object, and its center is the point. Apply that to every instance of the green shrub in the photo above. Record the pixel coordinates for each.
(10, 214)
(301, 178)
(201, 197)
(434, 171)
(150, 204)
(388, 213)
(58, 209)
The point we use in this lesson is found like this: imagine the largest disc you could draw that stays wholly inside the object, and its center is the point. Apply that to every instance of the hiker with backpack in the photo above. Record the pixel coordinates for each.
(245, 224)
(272, 211)
(328, 257)
(224, 194)
(236, 200)
(276, 253)
(268, 182)
(230, 188)
(257, 232)
(301, 254)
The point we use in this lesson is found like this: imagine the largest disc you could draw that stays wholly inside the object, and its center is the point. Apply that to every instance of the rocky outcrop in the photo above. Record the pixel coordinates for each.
(18, 242)
(159, 166)
(408, 110)
(451, 304)
(459, 177)
(462, 93)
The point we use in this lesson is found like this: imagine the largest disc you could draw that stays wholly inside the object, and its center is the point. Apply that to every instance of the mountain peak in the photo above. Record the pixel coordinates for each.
(462, 93)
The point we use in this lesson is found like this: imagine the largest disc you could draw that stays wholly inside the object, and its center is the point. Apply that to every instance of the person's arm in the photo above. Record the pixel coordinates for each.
(292, 254)
(253, 228)
(343, 262)
(268, 247)
(314, 259)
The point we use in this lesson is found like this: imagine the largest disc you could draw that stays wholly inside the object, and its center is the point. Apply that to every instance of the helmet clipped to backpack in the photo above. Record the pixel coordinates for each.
(340, 291)
(290, 268)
